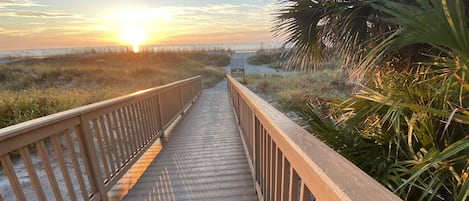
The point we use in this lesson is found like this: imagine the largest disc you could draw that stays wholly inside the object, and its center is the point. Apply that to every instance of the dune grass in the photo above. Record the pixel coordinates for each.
(285, 90)
(270, 57)
(35, 87)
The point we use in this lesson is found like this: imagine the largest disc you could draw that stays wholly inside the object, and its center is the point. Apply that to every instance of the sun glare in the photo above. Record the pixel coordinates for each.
(137, 27)
(134, 36)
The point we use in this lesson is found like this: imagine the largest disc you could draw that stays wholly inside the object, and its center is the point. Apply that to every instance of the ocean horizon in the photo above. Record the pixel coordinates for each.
(44, 52)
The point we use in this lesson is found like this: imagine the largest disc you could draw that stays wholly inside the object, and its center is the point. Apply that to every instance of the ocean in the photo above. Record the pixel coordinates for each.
(212, 46)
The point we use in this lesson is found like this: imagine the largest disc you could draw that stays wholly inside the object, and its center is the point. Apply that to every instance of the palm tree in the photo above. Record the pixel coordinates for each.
(410, 114)
(313, 27)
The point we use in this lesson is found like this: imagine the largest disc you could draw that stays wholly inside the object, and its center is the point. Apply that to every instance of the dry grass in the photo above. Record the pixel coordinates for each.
(302, 87)
(31, 88)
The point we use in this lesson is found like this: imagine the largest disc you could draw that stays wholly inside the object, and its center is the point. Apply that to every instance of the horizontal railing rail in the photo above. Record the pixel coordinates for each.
(81, 153)
(288, 163)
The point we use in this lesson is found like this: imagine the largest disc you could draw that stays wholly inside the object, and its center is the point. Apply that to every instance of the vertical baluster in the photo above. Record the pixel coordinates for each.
(278, 177)
(262, 150)
(41, 147)
(10, 173)
(238, 112)
(138, 131)
(136, 126)
(26, 156)
(254, 146)
(119, 136)
(76, 166)
(90, 158)
(63, 166)
(199, 84)
(293, 185)
(272, 169)
(181, 99)
(146, 120)
(147, 112)
(154, 115)
(105, 131)
(80, 134)
(130, 130)
(160, 112)
(146, 123)
(126, 132)
(285, 179)
(267, 167)
(155, 121)
(258, 152)
(192, 95)
(172, 102)
(151, 117)
(101, 149)
(112, 133)
(188, 93)
(183, 95)
(264, 162)
(305, 194)
(141, 122)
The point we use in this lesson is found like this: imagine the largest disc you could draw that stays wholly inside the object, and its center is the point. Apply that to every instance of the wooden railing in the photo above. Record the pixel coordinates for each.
(288, 163)
(81, 153)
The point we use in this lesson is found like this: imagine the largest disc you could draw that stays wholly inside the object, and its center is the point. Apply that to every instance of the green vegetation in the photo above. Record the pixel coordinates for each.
(323, 85)
(269, 57)
(31, 88)
(407, 122)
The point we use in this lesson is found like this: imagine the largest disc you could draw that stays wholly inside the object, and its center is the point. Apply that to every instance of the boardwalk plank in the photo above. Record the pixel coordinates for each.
(203, 159)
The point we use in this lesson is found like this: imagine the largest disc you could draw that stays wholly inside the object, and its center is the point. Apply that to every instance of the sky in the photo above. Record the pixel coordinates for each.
(31, 24)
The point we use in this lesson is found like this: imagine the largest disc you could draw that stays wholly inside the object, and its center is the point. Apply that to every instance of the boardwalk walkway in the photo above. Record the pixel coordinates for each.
(204, 158)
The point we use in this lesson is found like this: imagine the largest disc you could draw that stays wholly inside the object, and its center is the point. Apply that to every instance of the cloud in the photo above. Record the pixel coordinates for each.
(23, 8)
(36, 14)
(224, 15)
(18, 32)
(197, 15)
(194, 23)
(218, 36)
(20, 3)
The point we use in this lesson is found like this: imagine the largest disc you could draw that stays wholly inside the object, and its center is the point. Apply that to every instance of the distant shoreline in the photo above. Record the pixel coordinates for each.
(5, 54)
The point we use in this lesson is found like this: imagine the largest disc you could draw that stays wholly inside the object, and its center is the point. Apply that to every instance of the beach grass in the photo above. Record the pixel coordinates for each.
(36, 87)
(286, 90)
(270, 57)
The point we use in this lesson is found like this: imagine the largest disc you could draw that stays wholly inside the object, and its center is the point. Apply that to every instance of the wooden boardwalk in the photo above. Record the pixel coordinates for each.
(202, 159)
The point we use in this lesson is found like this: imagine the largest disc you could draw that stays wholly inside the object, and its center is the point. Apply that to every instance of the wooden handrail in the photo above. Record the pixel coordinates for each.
(288, 163)
(89, 148)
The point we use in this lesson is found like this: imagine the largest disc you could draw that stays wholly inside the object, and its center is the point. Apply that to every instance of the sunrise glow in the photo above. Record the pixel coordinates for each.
(134, 36)
(33, 24)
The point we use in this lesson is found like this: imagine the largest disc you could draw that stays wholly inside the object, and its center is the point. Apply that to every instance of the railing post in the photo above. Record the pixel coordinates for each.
(92, 159)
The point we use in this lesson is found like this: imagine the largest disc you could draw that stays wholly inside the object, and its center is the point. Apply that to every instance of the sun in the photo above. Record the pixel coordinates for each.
(134, 36)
